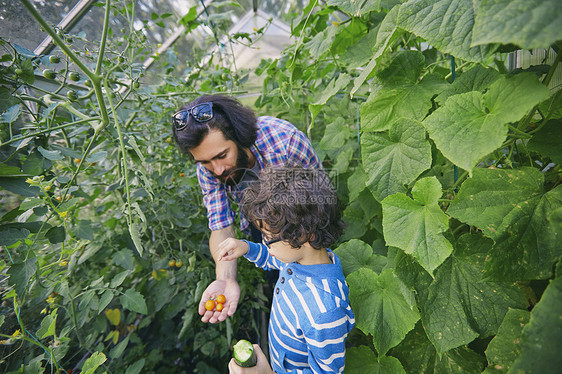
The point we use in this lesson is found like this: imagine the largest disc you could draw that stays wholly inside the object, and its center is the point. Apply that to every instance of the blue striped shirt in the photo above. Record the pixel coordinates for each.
(279, 143)
(310, 315)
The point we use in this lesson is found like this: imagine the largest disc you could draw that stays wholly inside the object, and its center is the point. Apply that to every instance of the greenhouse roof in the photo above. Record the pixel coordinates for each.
(164, 24)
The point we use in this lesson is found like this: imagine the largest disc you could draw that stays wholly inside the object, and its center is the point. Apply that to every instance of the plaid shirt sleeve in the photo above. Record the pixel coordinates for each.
(215, 198)
(301, 153)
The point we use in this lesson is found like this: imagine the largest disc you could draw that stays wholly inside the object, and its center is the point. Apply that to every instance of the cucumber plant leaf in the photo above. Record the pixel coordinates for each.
(382, 306)
(356, 254)
(547, 141)
(540, 342)
(399, 93)
(471, 125)
(321, 42)
(418, 355)
(359, 8)
(459, 307)
(360, 53)
(335, 135)
(416, 225)
(526, 23)
(511, 207)
(357, 182)
(437, 21)
(360, 360)
(477, 78)
(396, 159)
(504, 349)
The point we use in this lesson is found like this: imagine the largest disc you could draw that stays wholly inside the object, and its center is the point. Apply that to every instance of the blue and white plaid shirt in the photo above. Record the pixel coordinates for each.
(279, 143)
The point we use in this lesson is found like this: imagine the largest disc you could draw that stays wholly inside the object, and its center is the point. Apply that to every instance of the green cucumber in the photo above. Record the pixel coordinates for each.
(244, 354)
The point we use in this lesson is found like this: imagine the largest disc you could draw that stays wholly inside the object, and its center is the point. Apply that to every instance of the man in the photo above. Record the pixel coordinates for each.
(230, 146)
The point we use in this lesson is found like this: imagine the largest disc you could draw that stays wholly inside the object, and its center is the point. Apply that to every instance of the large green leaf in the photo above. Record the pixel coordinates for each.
(505, 347)
(359, 8)
(134, 301)
(48, 325)
(526, 23)
(361, 360)
(540, 342)
(445, 24)
(335, 135)
(382, 306)
(459, 307)
(510, 207)
(19, 186)
(93, 362)
(399, 93)
(20, 274)
(416, 225)
(6, 99)
(418, 356)
(356, 254)
(333, 87)
(396, 159)
(11, 235)
(356, 182)
(322, 41)
(361, 52)
(552, 108)
(476, 79)
(548, 141)
(472, 125)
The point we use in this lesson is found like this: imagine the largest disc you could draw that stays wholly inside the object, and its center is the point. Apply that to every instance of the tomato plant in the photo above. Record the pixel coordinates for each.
(90, 217)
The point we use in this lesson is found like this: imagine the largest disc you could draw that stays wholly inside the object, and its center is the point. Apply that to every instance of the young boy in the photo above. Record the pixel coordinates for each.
(298, 212)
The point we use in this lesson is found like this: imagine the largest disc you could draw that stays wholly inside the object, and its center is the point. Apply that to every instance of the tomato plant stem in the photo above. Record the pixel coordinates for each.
(103, 36)
(31, 135)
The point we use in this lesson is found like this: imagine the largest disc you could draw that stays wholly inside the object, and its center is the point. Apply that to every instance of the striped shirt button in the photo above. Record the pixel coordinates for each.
(282, 280)
(277, 290)
(289, 271)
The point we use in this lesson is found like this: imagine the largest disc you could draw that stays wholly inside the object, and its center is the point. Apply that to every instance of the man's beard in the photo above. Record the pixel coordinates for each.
(234, 175)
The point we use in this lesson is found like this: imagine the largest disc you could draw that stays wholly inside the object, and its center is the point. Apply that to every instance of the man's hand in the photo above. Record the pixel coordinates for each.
(230, 249)
(262, 366)
(230, 289)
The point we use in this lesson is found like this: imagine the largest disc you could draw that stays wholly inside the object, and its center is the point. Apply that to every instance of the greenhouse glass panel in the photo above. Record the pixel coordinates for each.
(19, 27)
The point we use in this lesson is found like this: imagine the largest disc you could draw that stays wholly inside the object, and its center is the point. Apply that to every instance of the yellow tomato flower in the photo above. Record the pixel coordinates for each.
(63, 214)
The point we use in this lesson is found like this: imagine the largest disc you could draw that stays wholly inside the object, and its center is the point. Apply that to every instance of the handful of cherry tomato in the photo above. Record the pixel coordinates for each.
(217, 304)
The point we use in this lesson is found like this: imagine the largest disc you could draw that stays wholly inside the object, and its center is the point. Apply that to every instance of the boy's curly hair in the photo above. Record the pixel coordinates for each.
(296, 205)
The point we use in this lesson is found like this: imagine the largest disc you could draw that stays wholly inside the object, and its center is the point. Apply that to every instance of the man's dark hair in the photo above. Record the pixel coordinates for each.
(237, 123)
(296, 205)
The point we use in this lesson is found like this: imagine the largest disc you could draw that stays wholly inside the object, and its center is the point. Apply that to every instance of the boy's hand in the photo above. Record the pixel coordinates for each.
(262, 367)
(231, 249)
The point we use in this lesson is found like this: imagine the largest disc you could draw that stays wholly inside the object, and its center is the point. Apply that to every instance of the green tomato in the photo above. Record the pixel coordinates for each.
(74, 76)
(72, 95)
(49, 74)
(54, 59)
(136, 85)
(18, 71)
(88, 83)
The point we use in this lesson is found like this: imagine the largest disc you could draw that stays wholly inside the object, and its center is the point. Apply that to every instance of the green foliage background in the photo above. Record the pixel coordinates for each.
(448, 165)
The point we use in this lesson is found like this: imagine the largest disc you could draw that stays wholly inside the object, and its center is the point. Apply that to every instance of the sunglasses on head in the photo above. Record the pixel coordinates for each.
(200, 112)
